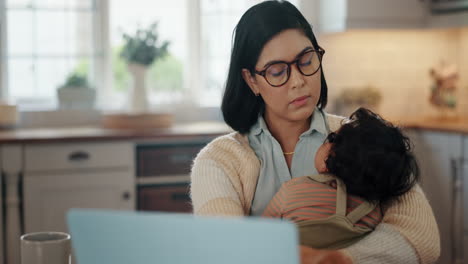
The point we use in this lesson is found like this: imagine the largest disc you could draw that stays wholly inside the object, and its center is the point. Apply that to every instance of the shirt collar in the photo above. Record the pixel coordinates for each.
(316, 124)
(260, 127)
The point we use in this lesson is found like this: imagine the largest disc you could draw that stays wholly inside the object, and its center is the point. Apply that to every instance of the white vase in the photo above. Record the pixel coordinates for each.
(138, 95)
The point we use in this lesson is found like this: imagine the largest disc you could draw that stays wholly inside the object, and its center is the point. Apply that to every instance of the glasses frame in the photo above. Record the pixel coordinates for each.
(319, 52)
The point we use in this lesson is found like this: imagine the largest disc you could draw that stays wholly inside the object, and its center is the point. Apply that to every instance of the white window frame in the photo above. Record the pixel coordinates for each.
(99, 73)
(102, 78)
(102, 70)
(3, 49)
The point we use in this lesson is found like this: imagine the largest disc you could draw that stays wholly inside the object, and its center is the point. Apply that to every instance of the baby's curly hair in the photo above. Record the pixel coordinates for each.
(373, 158)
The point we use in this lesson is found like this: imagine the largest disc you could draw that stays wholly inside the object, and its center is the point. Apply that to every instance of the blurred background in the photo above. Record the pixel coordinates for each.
(105, 103)
(382, 50)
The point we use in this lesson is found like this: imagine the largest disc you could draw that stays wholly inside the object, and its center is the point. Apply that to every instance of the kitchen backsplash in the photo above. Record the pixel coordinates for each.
(397, 63)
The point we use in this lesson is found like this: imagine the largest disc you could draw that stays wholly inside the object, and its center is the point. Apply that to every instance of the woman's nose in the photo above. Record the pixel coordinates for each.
(296, 78)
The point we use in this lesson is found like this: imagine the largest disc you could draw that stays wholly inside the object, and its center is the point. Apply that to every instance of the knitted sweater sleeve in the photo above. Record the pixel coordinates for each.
(408, 234)
(211, 190)
(216, 186)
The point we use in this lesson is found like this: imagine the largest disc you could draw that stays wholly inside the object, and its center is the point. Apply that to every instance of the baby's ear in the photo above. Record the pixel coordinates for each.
(323, 168)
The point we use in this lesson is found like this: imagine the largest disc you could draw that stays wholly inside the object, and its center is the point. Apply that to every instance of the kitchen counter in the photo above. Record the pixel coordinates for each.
(452, 124)
(39, 135)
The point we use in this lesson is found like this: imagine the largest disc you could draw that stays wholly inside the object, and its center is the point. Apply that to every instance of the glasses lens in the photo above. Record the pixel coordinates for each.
(277, 74)
(309, 63)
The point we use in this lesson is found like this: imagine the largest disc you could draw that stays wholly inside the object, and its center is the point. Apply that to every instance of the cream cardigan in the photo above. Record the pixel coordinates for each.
(223, 180)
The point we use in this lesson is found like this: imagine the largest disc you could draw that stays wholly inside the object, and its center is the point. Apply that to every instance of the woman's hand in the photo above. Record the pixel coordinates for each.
(320, 256)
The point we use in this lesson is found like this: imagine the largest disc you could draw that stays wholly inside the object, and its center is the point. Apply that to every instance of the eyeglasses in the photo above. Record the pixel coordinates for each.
(277, 73)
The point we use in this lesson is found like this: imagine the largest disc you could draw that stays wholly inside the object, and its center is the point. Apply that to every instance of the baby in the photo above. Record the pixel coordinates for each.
(364, 166)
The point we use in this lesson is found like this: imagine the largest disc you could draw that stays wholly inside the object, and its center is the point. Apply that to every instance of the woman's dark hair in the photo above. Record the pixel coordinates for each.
(373, 158)
(256, 27)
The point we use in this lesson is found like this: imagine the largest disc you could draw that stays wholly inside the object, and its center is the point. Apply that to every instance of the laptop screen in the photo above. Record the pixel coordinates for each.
(124, 237)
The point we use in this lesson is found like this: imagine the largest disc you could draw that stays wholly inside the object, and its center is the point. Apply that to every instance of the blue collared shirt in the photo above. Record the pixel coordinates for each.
(274, 171)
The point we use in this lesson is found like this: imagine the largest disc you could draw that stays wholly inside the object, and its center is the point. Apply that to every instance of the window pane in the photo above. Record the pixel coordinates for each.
(51, 73)
(46, 44)
(60, 33)
(218, 20)
(51, 4)
(64, 4)
(165, 74)
(20, 33)
(18, 3)
(22, 75)
(213, 81)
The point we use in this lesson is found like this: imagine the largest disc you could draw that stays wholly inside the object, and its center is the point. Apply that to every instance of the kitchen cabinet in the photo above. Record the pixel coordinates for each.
(48, 198)
(47, 171)
(58, 177)
(2, 206)
(330, 16)
(464, 237)
(459, 19)
(163, 174)
(173, 197)
(439, 155)
(11, 164)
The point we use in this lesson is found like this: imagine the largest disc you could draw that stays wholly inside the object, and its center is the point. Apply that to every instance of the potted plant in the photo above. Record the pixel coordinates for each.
(76, 93)
(140, 51)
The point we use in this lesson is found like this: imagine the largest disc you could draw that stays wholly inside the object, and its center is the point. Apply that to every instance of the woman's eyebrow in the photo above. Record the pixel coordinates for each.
(298, 54)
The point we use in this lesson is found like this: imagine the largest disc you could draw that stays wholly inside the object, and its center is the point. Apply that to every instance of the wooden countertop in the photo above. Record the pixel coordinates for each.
(44, 135)
(451, 125)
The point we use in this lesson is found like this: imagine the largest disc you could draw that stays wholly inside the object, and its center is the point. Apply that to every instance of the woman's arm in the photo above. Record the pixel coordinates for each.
(212, 191)
(408, 234)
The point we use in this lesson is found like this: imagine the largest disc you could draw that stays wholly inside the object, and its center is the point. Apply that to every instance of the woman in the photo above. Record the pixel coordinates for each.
(274, 99)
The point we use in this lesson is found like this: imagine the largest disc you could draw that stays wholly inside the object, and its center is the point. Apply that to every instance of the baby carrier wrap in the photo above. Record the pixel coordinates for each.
(339, 230)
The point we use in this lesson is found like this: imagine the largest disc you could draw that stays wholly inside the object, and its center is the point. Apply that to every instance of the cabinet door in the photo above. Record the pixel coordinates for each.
(465, 203)
(386, 14)
(341, 15)
(437, 155)
(167, 198)
(2, 254)
(47, 198)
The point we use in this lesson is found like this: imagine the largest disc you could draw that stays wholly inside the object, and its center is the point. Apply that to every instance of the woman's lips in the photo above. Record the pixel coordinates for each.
(300, 101)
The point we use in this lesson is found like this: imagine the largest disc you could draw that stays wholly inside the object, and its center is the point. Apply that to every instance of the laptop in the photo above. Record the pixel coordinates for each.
(128, 237)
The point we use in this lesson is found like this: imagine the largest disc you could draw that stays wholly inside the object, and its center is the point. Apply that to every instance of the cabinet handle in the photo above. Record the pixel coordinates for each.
(126, 196)
(181, 158)
(78, 156)
(180, 197)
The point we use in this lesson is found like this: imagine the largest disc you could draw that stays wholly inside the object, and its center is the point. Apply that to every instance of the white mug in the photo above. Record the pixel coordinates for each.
(46, 248)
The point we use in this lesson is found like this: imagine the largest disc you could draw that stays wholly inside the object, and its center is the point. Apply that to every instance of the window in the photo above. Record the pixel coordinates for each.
(46, 40)
(165, 77)
(218, 20)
